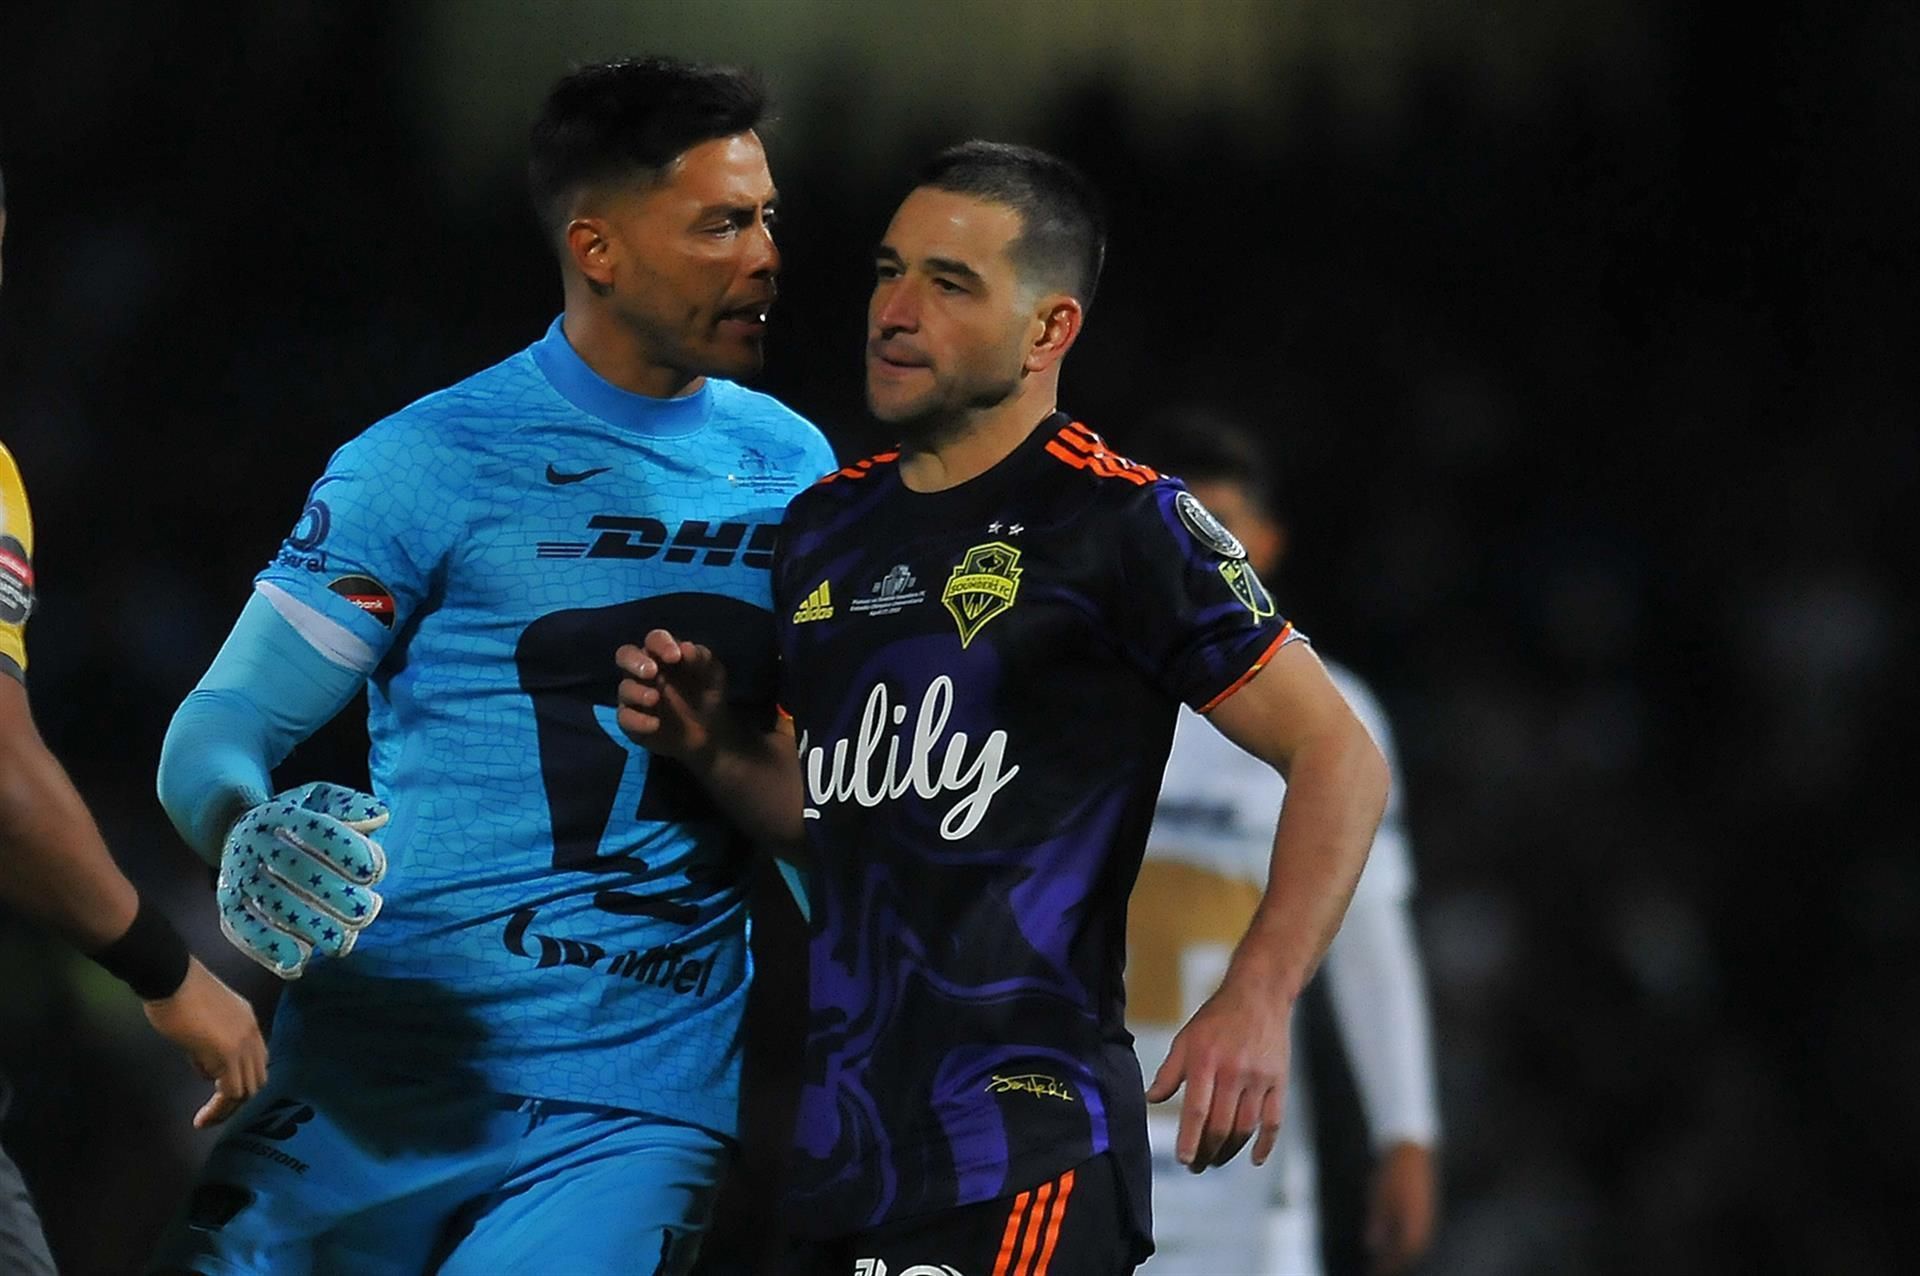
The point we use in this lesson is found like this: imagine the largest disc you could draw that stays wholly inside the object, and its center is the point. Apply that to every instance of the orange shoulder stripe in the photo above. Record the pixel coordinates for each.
(860, 469)
(1081, 448)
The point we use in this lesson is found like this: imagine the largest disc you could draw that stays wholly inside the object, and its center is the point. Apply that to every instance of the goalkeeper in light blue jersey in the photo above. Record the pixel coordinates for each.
(511, 1041)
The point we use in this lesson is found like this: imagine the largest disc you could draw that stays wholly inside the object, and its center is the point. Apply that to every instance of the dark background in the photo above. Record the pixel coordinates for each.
(1581, 333)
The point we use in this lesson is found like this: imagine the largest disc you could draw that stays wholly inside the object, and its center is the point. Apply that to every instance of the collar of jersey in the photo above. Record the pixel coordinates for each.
(595, 395)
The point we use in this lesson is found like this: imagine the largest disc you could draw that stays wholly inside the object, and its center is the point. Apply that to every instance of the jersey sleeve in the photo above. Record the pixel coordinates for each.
(369, 548)
(1193, 614)
(16, 568)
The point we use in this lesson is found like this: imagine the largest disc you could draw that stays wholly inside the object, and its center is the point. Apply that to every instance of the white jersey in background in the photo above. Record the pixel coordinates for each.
(1206, 866)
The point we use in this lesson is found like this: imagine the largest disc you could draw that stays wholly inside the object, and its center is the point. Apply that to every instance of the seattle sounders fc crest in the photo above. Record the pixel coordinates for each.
(982, 586)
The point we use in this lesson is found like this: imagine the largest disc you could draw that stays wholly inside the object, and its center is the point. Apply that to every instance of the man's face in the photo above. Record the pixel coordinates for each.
(694, 261)
(948, 324)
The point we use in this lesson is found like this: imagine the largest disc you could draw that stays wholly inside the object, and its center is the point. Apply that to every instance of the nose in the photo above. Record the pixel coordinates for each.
(895, 308)
(763, 255)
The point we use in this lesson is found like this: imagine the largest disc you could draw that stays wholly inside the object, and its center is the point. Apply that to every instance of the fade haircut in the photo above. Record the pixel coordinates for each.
(1203, 446)
(624, 121)
(1063, 228)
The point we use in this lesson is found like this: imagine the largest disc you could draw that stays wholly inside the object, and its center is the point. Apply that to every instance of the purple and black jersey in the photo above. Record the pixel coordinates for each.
(984, 683)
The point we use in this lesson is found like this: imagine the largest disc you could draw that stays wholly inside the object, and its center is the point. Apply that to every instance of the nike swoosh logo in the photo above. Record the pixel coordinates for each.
(556, 478)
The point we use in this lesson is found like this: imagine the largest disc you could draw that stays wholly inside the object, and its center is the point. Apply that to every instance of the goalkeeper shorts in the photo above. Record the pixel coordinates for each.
(330, 1171)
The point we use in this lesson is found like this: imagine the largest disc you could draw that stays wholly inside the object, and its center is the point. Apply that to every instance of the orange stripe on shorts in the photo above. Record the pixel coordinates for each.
(1053, 1228)
(1037, 1222)
(1012, 1233)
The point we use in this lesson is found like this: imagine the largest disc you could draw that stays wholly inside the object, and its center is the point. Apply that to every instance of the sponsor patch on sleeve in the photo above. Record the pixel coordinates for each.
(16, 582)
(1207, 529)
(368, 594)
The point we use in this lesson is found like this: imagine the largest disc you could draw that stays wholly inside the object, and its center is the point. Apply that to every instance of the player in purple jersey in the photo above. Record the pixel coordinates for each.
(985, 637)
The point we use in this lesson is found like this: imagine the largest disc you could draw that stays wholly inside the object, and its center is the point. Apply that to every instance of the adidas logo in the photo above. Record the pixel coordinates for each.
(815, 606)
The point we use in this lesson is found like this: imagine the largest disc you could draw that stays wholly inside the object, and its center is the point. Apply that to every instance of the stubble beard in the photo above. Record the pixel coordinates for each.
(946, 413)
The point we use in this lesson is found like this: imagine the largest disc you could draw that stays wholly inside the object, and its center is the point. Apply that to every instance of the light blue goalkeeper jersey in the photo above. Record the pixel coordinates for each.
(565, 917)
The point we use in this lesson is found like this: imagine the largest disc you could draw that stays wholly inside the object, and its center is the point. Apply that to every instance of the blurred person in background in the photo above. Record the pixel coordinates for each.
(985, 634)
(531, 1061)
(55, 867)
(1205, 869)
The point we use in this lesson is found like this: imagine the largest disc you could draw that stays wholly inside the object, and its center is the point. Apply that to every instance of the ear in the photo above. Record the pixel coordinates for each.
(1056, 326)
(590, 249)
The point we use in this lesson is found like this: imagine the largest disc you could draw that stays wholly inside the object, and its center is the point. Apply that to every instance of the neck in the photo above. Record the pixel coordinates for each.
(614, 351)
(947, 453)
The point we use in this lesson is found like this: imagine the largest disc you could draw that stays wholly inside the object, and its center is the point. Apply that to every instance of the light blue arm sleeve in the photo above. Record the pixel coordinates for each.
(267, 690)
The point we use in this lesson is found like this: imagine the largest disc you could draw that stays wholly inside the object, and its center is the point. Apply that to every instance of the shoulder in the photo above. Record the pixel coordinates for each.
(778, 435)
(1084, 457)
(1109, 485)
(442, 433)
(843, 486)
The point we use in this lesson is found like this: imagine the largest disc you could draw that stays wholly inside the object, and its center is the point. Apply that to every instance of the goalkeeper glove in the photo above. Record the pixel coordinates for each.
(296, 873)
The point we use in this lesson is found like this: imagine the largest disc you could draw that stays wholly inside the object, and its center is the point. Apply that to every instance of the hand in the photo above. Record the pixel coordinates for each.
(673, 696)
(1400, 1215)
(295, 876)
(1233, 1055)
(216, 1028)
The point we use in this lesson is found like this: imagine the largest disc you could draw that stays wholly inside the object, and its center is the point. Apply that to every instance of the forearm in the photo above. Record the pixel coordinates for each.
(1373, 974)
(755, 777)
(214, 764)
(266, 691)
(1336, 791)
(54, 866)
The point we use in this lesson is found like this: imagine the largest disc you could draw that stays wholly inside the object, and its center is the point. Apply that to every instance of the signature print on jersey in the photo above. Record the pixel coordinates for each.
(866, 768)
(983, 584)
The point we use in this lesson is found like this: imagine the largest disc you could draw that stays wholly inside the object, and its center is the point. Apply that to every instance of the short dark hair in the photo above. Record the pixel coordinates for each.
(1200, 445)
(1063, 226)
(614, 121)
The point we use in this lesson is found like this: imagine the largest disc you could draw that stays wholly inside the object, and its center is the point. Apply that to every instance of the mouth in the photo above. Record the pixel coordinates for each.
(748, 319)
(891, 356)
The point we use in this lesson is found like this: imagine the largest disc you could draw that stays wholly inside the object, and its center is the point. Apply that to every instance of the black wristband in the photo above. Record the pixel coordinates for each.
(150, 958)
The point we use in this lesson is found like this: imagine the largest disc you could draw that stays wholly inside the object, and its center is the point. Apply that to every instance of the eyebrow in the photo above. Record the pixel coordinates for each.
(938, 265)
(771, 201)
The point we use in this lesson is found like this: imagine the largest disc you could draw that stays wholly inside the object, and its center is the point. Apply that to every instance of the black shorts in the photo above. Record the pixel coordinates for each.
(1074, 1225)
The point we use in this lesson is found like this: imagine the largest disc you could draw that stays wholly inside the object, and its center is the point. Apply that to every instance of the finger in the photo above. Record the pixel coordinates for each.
(632, 660)
(1218, 1126)
(257, 1061)
(663, 647)
(361, 812)
(1246, 1119)
(300, 895)
(1193, 1116)
(1172, 1070)
(694, 657)
(637, 694)
(1270, 1112)
(342, 852)
(216, 1109)
(248, 931)
(636, 723)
